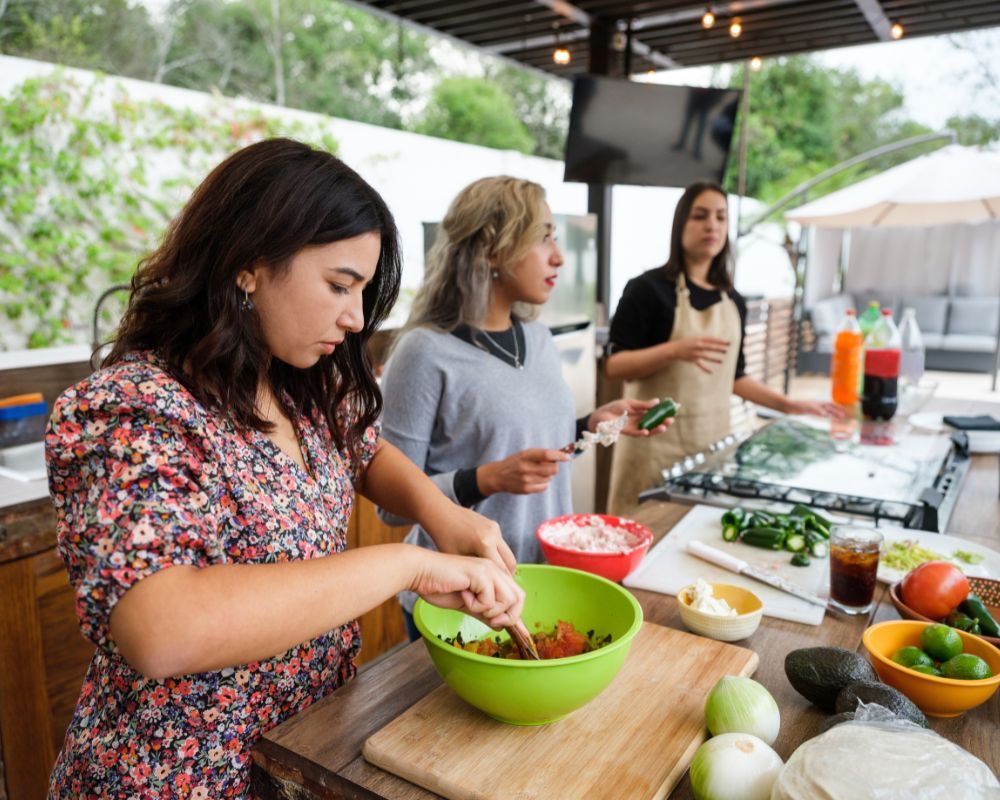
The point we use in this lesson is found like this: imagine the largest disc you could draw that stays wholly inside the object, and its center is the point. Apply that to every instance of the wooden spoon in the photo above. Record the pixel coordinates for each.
(523, 641)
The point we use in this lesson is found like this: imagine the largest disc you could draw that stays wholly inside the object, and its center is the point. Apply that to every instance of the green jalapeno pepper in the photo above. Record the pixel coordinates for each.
(658, 414)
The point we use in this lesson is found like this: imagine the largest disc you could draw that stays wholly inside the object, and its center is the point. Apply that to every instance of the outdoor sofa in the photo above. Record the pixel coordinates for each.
(959, 333)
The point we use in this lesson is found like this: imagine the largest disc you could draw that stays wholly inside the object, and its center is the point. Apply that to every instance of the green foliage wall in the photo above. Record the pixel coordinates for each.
(89, 178)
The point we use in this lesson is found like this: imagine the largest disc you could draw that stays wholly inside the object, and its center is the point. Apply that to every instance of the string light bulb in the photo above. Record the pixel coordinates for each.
(562, 56)
(708, 18)
(896, 31)
(756, 63)
(736, 28)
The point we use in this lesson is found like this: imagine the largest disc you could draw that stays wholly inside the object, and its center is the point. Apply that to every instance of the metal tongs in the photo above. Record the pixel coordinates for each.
(522, 640)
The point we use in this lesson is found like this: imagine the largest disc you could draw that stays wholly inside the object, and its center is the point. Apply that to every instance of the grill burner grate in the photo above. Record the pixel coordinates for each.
(717, 483)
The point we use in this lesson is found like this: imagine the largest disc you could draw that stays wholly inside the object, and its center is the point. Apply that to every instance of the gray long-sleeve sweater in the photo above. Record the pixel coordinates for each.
(450, 405)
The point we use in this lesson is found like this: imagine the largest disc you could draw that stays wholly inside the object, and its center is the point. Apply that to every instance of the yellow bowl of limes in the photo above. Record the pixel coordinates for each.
(935, 696)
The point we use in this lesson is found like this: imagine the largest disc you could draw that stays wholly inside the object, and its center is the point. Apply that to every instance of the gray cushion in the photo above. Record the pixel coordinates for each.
(932, 341)
(968, 342)
(974, 316)
(827, 314)
(931, 312)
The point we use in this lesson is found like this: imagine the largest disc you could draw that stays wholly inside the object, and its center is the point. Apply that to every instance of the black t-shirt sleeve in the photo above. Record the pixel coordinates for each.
(741, 306)
(466, 488)
(641, 320)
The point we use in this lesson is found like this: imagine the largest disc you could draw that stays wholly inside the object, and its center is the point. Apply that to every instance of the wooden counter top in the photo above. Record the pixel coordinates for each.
(317, 754)
(27, 529)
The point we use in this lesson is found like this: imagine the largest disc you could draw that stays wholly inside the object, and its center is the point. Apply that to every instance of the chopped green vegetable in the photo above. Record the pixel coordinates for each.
(967, 557)
(801, 531)
(733, 522)
(771, 538)
(800, 560)
(907, 554)
(818, 549)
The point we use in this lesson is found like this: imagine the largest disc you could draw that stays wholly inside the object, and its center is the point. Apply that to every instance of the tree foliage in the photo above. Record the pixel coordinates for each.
(973, 129)
(542, 104)
(477, 111)
(805, 118)
(315, 55)
(328, 57)
(114, 36)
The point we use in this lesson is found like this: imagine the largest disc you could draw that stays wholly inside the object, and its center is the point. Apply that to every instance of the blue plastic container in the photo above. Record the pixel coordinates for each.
(22, 424)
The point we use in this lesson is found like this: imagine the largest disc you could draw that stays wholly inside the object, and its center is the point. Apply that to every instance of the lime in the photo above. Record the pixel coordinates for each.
(941, 642)
(966, 667)
(911, 657)
(926, 669)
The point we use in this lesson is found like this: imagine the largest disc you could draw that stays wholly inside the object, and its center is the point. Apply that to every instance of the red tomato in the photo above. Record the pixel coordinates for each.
(934, 589)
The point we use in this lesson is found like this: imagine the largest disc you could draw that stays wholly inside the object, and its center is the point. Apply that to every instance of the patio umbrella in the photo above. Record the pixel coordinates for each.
(951, 185)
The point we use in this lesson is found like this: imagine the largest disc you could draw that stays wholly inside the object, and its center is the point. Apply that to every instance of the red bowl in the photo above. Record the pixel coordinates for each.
(613, 566)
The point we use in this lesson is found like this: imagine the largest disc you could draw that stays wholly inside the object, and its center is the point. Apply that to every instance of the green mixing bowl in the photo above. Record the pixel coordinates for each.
(537, 692)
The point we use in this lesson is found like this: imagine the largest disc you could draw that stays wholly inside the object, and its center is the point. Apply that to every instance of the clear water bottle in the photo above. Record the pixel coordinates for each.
(911, 360)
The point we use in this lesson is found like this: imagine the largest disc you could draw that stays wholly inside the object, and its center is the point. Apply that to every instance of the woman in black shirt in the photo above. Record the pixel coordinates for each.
(678, 332)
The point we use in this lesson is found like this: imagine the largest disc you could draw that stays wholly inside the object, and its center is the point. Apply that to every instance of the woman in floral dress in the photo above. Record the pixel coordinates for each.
(204, 476)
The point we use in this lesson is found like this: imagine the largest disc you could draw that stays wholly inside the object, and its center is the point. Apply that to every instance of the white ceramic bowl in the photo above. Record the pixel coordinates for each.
(748, 606)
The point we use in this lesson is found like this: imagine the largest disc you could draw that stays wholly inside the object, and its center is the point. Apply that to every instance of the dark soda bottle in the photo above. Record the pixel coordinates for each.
(880, 387)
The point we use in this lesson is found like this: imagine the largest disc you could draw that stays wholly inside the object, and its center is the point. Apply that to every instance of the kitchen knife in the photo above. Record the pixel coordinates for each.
(734, 564)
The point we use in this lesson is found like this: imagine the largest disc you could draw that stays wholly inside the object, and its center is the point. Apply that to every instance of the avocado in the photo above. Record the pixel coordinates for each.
(887, 697)
(819, 673)
(836, 719)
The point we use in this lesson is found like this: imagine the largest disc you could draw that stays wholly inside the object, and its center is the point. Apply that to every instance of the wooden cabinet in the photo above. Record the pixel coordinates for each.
(43, 659)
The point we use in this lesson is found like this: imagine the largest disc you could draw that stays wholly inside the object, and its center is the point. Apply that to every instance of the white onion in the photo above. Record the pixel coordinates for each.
(734, 766)
(741, 705)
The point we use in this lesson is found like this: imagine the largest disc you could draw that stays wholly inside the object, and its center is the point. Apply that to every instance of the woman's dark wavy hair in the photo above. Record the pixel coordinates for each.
(263, 204)
(719, 273)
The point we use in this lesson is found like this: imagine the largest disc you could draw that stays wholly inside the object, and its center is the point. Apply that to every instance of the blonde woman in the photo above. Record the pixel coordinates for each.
(473, 389)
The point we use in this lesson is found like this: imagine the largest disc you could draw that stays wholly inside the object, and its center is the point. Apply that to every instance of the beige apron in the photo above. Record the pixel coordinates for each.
(704, 398)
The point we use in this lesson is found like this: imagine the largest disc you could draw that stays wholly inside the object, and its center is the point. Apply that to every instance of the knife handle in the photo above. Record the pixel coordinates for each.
(715, 556)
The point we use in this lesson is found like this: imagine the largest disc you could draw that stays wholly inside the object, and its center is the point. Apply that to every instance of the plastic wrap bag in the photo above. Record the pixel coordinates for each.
(879, 756)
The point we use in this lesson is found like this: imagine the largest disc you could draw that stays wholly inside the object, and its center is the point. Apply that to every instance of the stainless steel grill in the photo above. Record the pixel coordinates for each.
(913, 482)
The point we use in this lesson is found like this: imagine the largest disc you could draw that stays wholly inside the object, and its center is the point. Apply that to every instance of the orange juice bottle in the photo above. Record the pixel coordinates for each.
(845, 365)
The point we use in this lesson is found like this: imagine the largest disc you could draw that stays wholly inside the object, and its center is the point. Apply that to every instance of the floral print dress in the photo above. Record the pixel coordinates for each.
(143, 478)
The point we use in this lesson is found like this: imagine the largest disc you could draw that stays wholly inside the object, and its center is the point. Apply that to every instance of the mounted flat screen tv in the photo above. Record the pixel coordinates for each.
(648, 135)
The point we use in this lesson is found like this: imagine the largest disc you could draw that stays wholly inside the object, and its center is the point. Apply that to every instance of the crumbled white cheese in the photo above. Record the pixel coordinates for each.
(607, 433)
(705, 601)
(590, 535)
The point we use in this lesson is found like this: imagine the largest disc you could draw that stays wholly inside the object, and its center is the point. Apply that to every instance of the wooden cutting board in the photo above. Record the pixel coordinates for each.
(634, 740)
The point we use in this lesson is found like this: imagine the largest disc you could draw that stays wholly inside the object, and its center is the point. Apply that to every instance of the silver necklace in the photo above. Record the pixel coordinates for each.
(516, 355)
